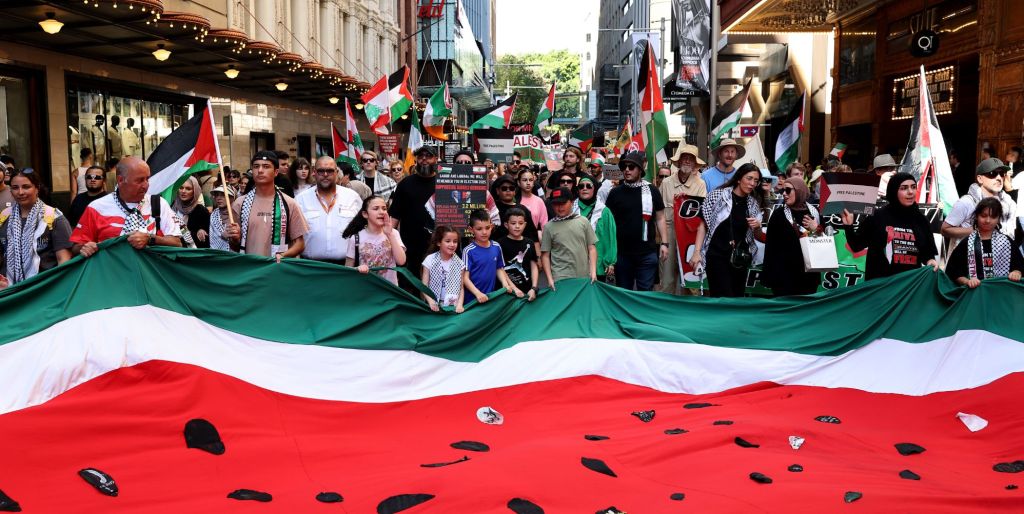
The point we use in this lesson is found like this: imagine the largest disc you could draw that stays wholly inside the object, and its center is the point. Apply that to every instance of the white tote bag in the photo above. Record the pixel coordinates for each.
(819, 253)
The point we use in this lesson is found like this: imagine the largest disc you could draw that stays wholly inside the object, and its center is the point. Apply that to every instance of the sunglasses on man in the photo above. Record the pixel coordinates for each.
(506, 188)
(632, 167)
(567, 181)
(94, 177)
(324, 171)
(369, 160)
(994, 174)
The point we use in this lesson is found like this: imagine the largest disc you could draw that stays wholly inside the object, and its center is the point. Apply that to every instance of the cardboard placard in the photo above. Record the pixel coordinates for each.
(855, 192)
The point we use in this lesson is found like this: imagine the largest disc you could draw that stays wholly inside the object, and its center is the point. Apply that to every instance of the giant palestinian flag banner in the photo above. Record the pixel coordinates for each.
(191, 148)
(161, 381)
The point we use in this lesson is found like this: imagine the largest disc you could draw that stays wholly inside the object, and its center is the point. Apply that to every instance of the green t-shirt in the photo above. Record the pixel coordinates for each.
(569, 242)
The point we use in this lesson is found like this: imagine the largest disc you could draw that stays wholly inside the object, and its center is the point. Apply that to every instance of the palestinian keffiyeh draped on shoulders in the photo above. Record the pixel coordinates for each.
(22, 254)
(217, 239)
(646, 202)
(716, 208)
(1002, 252)
(134, 221)
(280, 221)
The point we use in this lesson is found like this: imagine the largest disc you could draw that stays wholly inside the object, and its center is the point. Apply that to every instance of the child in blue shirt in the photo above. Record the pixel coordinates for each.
(483, 259)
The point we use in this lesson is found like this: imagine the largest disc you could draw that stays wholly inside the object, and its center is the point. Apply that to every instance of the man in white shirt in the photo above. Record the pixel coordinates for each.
(328, 209)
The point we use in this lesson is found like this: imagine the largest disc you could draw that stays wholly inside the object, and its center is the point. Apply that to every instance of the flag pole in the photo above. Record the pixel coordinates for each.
(220, 164)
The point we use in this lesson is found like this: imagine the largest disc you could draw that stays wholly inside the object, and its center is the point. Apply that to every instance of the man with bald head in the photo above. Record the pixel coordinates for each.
(126, 212)
(328, 209)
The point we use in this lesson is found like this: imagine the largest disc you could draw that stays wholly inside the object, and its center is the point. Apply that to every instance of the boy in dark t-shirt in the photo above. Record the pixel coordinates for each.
(519, 253)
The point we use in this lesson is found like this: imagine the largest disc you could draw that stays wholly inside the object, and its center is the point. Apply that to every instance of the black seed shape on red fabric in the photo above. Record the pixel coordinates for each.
(909, 448)
(645, 415)
(1009, 467)
(202, 435)
(400, 502)
(674, 431)
(471, 446)
(597, 465)
(329, 498)
(906, 474)
(795, 468)
(677, 497)
(590, 437)
(103, 482)
(700, 405)
(828, 419)
(249, 494)
(1010, 487)
(743, 443)
(7, 504)
(610, 510)
(722, 422)
(521, 506)
(760, 478)
(443, 464)
(852, 496)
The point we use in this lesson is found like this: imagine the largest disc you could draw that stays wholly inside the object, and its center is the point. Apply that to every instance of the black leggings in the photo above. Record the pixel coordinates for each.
(723, 279)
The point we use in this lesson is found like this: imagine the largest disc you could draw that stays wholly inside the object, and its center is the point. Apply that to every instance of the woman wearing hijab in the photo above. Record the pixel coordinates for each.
(724, 245)
(592, 208)
(783, 269)
(193, 216)
(34, 237)
(898, 237)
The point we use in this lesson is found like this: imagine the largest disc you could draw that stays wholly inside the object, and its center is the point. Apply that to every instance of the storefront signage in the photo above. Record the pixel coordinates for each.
(431, 8)
(940, 85)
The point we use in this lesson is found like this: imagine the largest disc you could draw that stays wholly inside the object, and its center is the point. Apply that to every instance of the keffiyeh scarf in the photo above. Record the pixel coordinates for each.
(717, 207)
(217, 239)
(810, 209)
(21, 255)
(133, 219)
(646, 202)
(277, 242)
(1001, 253)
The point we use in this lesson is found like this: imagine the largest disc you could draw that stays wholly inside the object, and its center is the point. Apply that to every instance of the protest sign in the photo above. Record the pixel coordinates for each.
(494, 144)
(855, 192)
(460, 189)
(389, 143)
(612, 172)
(450, 149)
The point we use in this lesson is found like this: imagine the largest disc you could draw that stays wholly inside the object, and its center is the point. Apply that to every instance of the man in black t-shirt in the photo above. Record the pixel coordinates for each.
(640, 222)
(94, 190)
(408, 208)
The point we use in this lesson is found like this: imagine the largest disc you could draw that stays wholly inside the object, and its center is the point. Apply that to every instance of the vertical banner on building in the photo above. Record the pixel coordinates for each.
(692, 44)
(460, 189)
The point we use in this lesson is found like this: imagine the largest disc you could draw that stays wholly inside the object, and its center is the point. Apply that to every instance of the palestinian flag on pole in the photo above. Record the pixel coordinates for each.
(189, 149)
(499, 117)
(439, 108)
(653, 125)
(787, 146)
(728, 115)
(387, 100)
(415, 139)
(583, 137)
(351, 147)
(926, 156)
(338, 142)
(106, 360)
(838, 151)
(547, 111)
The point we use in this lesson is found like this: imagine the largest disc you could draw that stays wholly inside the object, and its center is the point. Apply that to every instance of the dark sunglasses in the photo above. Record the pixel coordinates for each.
(787, 190)
(369, 160)
(663, 177)
(586, 185)
(632, 167)
(506, 189)
(94, 177)
(516, 161)
(324, 171)
(994, 174)
(566, 181)
(766, 180)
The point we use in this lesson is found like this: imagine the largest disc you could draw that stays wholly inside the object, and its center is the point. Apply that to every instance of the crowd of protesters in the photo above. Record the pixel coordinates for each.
(538, 226)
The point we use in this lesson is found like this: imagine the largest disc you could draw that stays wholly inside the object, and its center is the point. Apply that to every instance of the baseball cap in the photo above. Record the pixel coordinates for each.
(562, 194)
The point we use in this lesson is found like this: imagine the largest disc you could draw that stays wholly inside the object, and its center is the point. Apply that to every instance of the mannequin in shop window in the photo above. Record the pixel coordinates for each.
(98, 139)
(130, 138)
(114, 135)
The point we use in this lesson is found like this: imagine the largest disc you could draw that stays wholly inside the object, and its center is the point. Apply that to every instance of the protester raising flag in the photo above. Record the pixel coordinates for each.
(415, 139)
(926, 157)
(547, 111)
(499, 117)
(787, 146)
(439, 108)
(728, 115)
(653, 125)
(191, 148)
(387, 100)
(351, 146)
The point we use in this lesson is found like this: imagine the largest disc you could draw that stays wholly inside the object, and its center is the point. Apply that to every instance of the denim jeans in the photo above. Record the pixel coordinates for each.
(636, 271)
